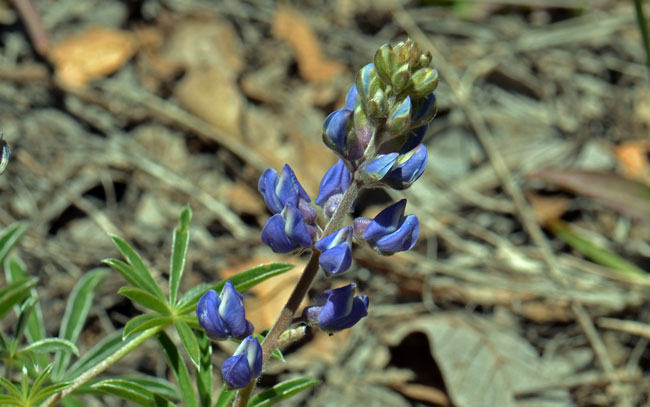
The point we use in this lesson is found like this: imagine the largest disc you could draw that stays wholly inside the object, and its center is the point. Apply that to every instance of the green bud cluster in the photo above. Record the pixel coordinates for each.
(396, 91)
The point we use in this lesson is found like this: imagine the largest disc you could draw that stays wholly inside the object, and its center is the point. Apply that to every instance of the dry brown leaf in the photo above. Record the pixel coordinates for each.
(243, 199)
(548, 208)
(92, 54)
(212, 95)
(292, 27)
(633, 157)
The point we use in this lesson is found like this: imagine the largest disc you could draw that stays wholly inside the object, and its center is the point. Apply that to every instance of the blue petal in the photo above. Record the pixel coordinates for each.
(209, 319)
(339, 305)
(425, 108)
(335, 127)
(407, 172)
(414, 139)
(334, 239)
(266, 186)
(295, 227)
(232, 311)
(236, 372)
(254, 355)
(351, 98)
(289, 189)
(335, 181)
(358, 311)
(387, 221)
(336, 260)
(378, 168)
(402, 239)
(273, 235)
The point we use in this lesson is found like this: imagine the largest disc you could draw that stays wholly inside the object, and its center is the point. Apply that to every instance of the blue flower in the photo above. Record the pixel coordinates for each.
(351, 98)
(286, 231)
(223, 317)
(337, 254)
(244, 365)
(335, 130)
(409, 168)
(337, 309)
(335, 181)
(390, 231)
(279, 191)
(379, 167)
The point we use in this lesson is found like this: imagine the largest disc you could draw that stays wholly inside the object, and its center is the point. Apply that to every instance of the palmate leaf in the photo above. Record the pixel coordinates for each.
(9, 237)
(139, 274)
(225, 397)
(179, 253)
(177, 364)
(15, 270)
(145, 299)
(189, 341)
(131, 391)
(75, 314)
(204, 374)
(14, 293)
(282, 391)
(242, 281)
(144, 322)
(103, 349)
(51, 345)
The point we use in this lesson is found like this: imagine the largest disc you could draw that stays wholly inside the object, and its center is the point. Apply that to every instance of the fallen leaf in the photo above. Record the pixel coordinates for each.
(482, 363)
(629, 197)
(633, 158)
(292, 27)
(548, 208)
(212, 95)
(92, 54)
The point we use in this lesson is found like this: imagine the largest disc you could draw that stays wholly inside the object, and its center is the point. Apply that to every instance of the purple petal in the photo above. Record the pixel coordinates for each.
(358, 311)
(335, 181)
(387, 221)
(295, 227)
(209, 319)
(336, 260)
(232, 310)
(402, 239)
(351, 98)
(407, 172)
(334, 239)
(335, 128)
(273, 235)
(236, 372)
(266, 186)
(289, 189)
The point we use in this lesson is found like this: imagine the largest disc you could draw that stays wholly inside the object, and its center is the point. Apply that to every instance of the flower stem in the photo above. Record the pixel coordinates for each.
(103, 365)
(309, 273)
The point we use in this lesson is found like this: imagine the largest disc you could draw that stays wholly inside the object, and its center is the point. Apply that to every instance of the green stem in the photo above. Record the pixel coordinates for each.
(309, 273)
(105, 364)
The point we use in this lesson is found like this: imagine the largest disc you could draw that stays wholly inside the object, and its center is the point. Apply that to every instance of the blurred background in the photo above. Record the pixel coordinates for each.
(528, 284)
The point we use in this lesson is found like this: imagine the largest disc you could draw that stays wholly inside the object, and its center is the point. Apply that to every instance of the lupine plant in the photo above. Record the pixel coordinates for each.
(378, 139)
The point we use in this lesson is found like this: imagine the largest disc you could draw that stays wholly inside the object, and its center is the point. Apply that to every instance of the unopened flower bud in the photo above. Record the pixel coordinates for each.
(244, 365)
(399, 118)
(424, 82)
(423, 110)
(386, 62)
(351, 98)
(223, 317)
(335, 130)
(401, 80)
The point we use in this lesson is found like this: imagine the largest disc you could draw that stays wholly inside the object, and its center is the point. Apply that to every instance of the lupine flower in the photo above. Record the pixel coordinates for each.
(351, 98)
(337, 309)
(244, 365)
(286, 231)
(408, 169)
(335, 130)
(223, 316)
(335, 181)
(279, 191)
(390, 231)
(337, 252)
(379, 167)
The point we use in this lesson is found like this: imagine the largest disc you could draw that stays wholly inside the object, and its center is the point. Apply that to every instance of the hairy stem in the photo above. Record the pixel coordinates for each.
(103, 365)
(309, 273)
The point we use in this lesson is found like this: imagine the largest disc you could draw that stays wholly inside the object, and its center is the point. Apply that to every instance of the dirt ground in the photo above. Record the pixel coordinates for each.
(118, 113)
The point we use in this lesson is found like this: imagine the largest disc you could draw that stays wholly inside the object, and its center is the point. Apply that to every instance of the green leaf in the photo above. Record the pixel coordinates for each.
(9, 237)
(51, 345)
(154, 384)
(24, 312)
(10, 400)
(140, 272)
(15, 270)
(596, 253)
(49, 391)
(75, 314)
(103, 349)
(125, 270)
(178, 366)
(145, 299)
(189, 341)
(282, 391)
(144, 322)
(242, 281)
(45, 374)
(204, 375)
(225, 397)
(10, 388)
(127, 390)
(14, 293)
(179, 253)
